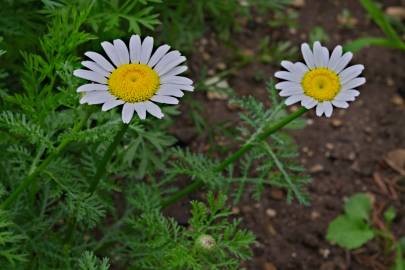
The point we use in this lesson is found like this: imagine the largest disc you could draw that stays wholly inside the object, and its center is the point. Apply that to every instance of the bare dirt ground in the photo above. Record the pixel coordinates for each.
(345, 154)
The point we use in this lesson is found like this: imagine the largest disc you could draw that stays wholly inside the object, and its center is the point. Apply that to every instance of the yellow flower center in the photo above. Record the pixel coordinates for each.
(321, 84)
(133, 82)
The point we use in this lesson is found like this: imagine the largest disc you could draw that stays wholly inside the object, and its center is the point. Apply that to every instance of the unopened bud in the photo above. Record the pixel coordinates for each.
(206, 242)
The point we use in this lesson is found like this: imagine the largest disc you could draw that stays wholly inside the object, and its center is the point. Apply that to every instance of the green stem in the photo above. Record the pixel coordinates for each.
(102, 164)
(32, 176)
(100, 172)
(259, 136)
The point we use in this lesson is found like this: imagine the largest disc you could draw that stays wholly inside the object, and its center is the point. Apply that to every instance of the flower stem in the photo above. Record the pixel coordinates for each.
(31, 177)
(260, 136)
(100, 172)
(101, 165)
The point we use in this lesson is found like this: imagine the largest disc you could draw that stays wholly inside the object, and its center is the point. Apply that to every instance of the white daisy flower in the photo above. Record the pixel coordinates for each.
(134, 78)
(323, 81)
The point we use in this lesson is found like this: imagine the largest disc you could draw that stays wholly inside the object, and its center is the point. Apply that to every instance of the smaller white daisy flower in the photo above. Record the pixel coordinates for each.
(323, 81)
(134, 78)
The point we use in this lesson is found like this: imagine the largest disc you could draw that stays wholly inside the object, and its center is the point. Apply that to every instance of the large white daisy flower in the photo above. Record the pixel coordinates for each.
(323, 81)
(134, 78)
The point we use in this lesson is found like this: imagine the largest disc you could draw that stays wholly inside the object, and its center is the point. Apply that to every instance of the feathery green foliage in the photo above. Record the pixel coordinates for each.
(56, 223)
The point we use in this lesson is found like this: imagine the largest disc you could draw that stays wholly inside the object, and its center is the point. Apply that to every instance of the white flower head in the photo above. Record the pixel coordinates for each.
(134, 77)
(323, 81)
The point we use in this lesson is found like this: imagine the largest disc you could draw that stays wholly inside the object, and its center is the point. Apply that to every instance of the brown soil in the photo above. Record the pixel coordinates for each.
(344, 154)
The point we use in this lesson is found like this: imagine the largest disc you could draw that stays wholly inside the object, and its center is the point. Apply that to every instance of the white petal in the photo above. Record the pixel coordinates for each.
(288, 76)
(111, 52)
(300, 68)
(92, 87)
(170, 91)
(171, 56)
(135, 49)
(328, 108)
(308, 102)
(288, 65)
(111, 104)
(127, 112)
(319, 109)
(140, 109)
(352, 92)
(176, 80)
(159, 53)
(347, 95)
(176, 71)
(293, 99)
(154, 109)
(90, 75)
(344, 60)
(325, 54)
(288, 85)
(83, 100)
(353, 83)
(335, 57)
(288, 92)
(122, 51)
(185, 87)
(98, 97)
(308, 55)
(96, 68)
(350, 73)
(100, 60)
(171, 65)
(147, 46)
(340, 104)
(344, 96)
(165, 99)
(318, 54)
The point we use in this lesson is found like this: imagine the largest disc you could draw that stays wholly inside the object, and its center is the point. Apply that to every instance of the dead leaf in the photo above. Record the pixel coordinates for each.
(380, 183)
(396, 160)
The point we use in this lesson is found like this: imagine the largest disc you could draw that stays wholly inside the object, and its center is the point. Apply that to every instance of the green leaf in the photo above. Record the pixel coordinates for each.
(360, 43)
(378, 16)
(390, 214)
(89, 261)
(358, 207)
(399, 260)
(349, 233)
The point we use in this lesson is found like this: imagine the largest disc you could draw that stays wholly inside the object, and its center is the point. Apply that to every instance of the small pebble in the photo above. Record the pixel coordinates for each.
(206, 56)
(271, 212)
(316, 168)
(329, 146)
(298, 3)
(337, 123)
(269, 266)
(396, 11)
(315, 215)
(352, 156)
(325, 252)
(397, 100)
(390, 81)
(310, 122)
(221, 66)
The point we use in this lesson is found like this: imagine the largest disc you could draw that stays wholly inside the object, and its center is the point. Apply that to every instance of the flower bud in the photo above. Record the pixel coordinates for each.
(205, 242)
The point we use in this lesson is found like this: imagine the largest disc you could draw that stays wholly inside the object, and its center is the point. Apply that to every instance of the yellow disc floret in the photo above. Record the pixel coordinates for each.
(133, 82)
(322, 84)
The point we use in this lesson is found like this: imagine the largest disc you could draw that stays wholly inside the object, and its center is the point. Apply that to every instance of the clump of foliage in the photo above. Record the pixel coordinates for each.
(392, 38)
(355, 228)
(52, 148)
